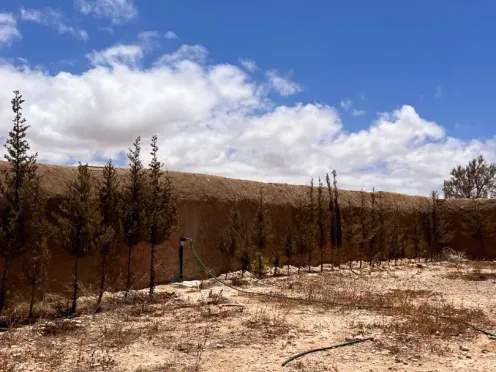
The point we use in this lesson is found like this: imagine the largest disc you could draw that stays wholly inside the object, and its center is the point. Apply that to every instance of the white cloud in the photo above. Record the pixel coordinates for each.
(195, 53)
(120, 54)
(117, 11)
(249, 64)
(8, 29)
(355, 112)
(169, 35)
(53, 18)
(346, 104)
(214, 118)
(282, 85)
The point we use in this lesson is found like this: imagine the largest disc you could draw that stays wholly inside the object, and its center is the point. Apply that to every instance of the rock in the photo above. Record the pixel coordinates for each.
(464, 348)
(219, 346)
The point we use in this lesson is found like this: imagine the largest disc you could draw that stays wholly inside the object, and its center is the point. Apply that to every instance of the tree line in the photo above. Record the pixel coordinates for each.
(372, 228)
(94, 217)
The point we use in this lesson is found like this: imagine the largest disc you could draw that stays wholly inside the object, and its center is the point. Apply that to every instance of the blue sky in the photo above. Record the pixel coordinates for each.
(361, 63)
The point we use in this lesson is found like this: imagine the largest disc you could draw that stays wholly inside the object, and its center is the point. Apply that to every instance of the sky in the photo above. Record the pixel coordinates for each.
(390, 94)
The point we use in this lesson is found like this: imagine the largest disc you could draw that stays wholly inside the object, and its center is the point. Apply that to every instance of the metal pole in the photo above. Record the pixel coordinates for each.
(181, 255)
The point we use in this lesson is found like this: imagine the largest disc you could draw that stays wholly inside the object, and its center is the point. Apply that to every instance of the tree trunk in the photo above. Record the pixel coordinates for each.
(102, 281)
(34, 282)
(309, 260)
(152, 270)
(321, 259)
(338, 258)
(3, 289)
(128, 280)
(289, 264)
(75, 292)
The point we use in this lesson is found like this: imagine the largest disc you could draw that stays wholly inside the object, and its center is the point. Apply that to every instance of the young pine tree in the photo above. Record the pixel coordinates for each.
(438, 227)
(36, 264)
(289, 248)
(261, 234)
(162, 208)
(332, 217)
(14, 203)
(79, 222)
(231, 236)
(110, 203)
(311, 222)
(321, 218)
(134, 207)
(338, 218)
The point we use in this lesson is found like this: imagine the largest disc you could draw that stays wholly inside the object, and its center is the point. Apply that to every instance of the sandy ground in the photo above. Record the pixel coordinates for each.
(205, 326)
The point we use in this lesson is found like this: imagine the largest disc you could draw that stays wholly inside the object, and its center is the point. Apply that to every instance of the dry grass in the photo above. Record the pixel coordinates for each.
(474, 276)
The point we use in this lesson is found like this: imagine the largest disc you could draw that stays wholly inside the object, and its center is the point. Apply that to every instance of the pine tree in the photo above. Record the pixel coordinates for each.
(438, 227)
(311, 222)
(364, 223)
(321, 218)
(14, 203)
(162, 208)
(338, 218)
(36, 265)
(110, 209)
(289, 246)
(351, 228)
(134, 222)
(261, 233)
(79, 222)
(300, 235)
(231, 236)
(332, 216)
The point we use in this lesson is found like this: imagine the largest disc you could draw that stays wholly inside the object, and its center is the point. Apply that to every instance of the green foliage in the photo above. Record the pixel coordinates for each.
(16, 197)
(134, 201)
(259, 264)
(109, 198)
(476, 180)
(79, 221)
(35, 266)
(161, 207)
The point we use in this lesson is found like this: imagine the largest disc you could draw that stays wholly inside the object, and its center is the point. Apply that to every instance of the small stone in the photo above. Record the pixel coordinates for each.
(464, 348)
(219, 346)
(468, 357)
(484, 351)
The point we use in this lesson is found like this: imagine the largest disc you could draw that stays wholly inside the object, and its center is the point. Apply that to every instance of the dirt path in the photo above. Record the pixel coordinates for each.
(204, 326)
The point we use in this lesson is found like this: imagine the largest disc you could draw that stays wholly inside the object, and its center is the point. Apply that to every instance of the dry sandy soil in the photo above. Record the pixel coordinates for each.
(206, 326)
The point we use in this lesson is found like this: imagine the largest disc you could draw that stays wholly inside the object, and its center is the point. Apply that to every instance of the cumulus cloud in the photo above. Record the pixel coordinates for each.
(249, 64)
(214, 118)
(53, 18)
(282, 85)
(117, 11)
(169, 35)
(8, 29)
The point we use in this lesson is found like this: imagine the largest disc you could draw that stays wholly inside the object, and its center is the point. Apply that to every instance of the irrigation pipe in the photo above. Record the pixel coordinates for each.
(325, 349)
(491, 336)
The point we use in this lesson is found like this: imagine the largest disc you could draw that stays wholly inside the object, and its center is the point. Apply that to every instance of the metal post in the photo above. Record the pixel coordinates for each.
(181, 249)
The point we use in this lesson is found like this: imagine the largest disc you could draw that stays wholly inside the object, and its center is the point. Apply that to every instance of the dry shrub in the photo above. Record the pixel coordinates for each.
(272, 319)
(118, 336)
(60, 328)
(474, 276)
